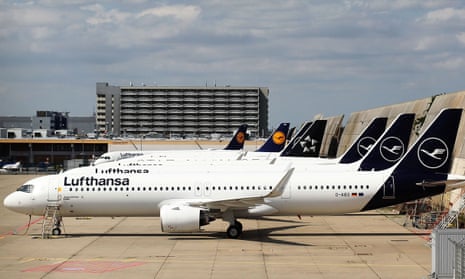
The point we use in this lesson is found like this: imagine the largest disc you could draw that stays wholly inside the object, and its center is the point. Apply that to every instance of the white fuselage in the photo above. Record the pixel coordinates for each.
(140, 191)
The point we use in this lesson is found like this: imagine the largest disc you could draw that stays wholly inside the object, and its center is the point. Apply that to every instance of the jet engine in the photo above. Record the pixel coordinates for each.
(181, 218)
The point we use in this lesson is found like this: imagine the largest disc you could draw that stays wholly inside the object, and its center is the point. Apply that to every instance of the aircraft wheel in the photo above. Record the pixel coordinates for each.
(56, 231)
(238, 225)
(234, 231)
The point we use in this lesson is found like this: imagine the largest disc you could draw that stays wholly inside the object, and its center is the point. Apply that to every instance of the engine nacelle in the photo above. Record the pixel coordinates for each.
(181, 218)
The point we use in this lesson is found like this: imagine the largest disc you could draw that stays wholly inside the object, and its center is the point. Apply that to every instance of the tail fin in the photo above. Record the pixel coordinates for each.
(238, 139)
(432, 152)
(391, 146)
(277, 140)
(423, 171)
(365, 141)
(307, 142)
(290, 134)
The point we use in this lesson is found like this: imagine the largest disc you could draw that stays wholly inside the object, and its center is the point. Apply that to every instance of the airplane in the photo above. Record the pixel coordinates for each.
(196, 156)
(395, 137)
(187, 198)
(236, 143)
(354, 153)
(313, 130)
(272, 145)
(11, 167)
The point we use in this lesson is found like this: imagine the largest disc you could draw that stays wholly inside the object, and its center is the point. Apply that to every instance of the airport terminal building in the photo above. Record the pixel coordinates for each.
(175, 112)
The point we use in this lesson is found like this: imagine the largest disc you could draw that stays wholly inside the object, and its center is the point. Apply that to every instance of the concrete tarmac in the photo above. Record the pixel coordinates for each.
(369, 245)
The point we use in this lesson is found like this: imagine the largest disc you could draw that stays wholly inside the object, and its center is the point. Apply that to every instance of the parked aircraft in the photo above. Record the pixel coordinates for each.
(11, 167)
(189, 197)
(236, 143)
(311, 133)
(380, 155)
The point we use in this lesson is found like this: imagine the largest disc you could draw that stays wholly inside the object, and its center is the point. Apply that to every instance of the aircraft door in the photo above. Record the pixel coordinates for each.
(54, 191)
(389, 189)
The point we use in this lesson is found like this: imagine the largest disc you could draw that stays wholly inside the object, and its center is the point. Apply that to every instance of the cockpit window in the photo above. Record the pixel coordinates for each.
(27, 188)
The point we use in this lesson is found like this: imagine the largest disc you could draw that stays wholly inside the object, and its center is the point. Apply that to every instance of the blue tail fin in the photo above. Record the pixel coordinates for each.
(277, 140)
(238, 139)
(365, 141)
(391, 146)
(423, 171)
(432, 152)
(307, 142)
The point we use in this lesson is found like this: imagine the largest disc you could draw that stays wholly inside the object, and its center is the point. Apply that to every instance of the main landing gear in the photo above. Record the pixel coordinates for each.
(234, 230)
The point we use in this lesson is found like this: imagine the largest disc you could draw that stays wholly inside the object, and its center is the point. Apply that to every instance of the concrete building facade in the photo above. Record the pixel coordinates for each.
(180, 111)
(47, 120)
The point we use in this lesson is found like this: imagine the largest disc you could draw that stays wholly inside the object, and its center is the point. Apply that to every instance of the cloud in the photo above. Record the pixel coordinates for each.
(444, 15)
(368, 53)
(184, 13)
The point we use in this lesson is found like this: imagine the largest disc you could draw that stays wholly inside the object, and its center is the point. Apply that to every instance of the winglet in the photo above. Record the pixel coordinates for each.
(278, 190)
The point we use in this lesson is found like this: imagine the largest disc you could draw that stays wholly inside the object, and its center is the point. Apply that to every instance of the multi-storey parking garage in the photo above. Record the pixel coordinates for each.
(181, 111)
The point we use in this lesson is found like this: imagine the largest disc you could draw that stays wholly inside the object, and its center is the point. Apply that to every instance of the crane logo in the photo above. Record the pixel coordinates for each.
(240, 137)
(392, 149)
(364, 145)
(279, 137)
(433, 153)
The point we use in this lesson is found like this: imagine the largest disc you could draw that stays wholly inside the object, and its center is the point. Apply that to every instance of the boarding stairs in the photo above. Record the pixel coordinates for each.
(52, 219)
(453, 213)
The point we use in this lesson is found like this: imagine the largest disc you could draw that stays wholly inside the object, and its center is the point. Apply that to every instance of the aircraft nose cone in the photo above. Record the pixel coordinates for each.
(12, 202)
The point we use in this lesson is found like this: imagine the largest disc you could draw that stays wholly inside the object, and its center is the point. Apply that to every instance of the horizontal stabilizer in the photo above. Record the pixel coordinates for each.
(453, 181)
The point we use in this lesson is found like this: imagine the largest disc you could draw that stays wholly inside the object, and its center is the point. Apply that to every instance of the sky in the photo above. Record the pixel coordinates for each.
(316, 57)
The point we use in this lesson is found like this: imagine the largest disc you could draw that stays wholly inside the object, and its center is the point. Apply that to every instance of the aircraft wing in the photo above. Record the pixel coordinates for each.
(248, 201)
